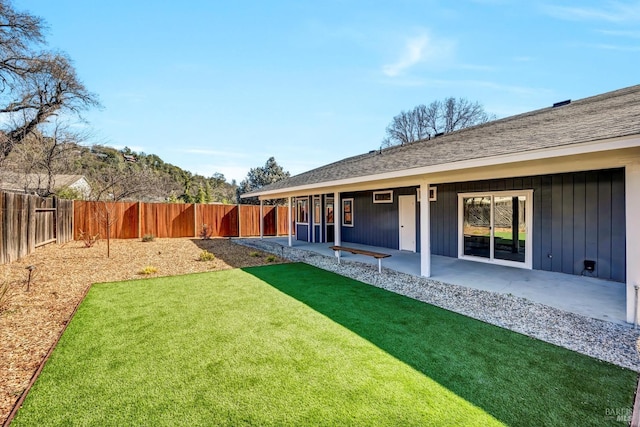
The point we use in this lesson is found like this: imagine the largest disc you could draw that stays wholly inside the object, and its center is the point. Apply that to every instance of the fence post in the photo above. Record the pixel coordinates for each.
(195, 220)
(239, 221)
(139, 220)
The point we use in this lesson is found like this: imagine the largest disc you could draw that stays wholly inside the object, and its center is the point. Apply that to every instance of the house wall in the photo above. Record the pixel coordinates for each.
(576, 216)
(375, 224)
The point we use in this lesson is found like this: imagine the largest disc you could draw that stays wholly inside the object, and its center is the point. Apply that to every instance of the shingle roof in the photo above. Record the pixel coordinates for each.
(605, 116)
(15, 181)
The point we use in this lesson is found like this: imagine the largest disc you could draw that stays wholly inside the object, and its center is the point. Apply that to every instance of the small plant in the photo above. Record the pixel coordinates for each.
(148, 238)
(149, 269)
(88, 239)
(205, 232)
(4, 289)
(205, 255)
(254, 254)
(271, 258)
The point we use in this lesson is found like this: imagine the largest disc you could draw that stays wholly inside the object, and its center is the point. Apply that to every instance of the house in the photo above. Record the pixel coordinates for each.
(34, 183)
(556, 189)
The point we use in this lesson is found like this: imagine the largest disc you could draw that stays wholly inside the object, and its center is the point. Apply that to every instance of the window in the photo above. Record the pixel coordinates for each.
(329, 211)
(317, 210)
(383, 196)
(433, 194)
(347, 212)
(302, 211)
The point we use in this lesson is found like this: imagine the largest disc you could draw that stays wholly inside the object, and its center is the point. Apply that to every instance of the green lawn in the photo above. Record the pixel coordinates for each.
(292, 344)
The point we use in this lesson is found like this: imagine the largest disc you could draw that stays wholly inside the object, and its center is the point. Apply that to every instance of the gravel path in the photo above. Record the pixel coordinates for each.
(614, 343)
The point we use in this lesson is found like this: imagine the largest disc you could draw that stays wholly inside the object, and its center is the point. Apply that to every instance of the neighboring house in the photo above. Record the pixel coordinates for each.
(34, 183)
(556, 189)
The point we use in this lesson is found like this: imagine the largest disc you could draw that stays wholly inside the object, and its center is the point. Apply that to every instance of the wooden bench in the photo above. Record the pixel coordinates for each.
(376, 255)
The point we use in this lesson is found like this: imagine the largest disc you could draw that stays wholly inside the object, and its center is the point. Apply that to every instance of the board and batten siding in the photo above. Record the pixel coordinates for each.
(375, 224)
(576, 216)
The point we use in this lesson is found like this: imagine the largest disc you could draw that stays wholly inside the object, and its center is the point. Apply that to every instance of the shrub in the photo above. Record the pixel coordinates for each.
(205, 255)
(148, 238)
(254, 254)
(88, 239)
(149, 269)
(271, 258)
(205, 232)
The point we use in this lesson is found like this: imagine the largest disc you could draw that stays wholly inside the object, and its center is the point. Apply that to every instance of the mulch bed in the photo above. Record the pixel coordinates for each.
(31, 320)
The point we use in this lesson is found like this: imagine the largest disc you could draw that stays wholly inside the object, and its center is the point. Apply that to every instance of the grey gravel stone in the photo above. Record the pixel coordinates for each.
(610, 342)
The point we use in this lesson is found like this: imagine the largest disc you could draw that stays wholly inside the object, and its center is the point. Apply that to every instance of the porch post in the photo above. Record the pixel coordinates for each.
(632, 207)
(337, 219)
(261, 220)
(425, 231)
(289, 219)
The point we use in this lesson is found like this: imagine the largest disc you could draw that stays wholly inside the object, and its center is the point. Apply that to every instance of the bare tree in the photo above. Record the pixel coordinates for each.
(34, 85)
(438, 117)
(39, 158)
(120, 181)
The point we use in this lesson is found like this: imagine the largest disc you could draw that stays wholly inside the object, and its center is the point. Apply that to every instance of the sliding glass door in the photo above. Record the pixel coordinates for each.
(495, 227)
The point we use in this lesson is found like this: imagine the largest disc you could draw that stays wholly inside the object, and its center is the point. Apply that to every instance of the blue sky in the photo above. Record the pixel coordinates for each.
(215, 86)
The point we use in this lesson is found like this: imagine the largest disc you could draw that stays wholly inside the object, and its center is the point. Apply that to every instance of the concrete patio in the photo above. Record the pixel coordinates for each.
(587, 296)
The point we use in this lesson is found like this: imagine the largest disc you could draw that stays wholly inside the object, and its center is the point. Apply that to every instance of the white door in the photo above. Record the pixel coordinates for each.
(407, 215)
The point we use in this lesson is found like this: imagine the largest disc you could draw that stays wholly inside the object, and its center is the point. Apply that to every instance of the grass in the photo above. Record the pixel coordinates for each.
(291, 344)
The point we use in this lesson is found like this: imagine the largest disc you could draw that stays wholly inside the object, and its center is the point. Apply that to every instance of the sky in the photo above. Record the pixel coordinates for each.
(221, 86)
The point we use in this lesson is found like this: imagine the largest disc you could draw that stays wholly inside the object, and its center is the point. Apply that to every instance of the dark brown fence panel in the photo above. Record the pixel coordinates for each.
(221, 220)
(15, 235)
(270, 221)
(168, 220)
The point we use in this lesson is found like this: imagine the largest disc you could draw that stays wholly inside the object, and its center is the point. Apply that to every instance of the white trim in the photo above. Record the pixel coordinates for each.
(540, 154)
(389, 200)
(289, 222)
(337, 228)
(425, 231)
(632, 207)
(342, 211)
(528, 261)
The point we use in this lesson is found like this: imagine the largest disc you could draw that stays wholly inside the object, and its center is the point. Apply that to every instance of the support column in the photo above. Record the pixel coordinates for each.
(632, 207)
(261, 219)
(337, 219)
(425, 230)
(289, 219)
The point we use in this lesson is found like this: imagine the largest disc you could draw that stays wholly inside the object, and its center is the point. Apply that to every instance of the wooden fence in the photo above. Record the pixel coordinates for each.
(28, 221)
(129, 220)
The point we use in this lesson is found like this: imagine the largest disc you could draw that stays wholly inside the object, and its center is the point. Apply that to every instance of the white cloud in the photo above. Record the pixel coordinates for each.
(417, 50)
(630, 34)
(615, 47)
(611, 12)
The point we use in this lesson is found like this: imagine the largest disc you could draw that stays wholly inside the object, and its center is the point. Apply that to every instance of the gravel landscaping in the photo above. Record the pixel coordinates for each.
(614, 343)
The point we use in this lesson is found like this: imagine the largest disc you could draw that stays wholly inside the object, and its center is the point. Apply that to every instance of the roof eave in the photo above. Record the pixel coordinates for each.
(629, 141)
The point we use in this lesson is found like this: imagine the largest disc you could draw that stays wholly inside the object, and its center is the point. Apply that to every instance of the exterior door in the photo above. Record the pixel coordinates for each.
(407, 215)
(495, 227)
(328, 219)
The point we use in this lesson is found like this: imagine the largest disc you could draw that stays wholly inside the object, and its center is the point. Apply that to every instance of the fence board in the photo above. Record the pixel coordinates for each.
(64, 221)
(221, 220)
(249, 220)
(168, 219)
(282, 219)
(183, 220)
